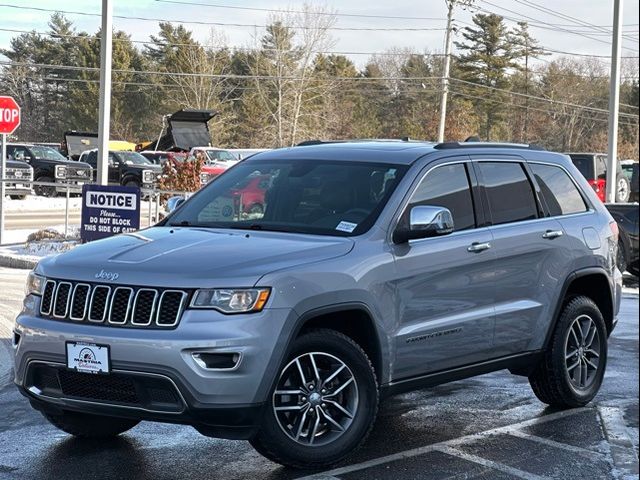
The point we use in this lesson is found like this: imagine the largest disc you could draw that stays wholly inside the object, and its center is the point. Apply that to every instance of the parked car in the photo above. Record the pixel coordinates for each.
(216, 161)
(126, 168)
(374, 268)
(22, 173)
(593, 167)
(626, 215)
(50, 166)
(160, 158)
(630, 169)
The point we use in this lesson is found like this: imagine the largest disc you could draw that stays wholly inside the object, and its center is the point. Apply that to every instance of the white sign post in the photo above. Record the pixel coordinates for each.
(9, 121)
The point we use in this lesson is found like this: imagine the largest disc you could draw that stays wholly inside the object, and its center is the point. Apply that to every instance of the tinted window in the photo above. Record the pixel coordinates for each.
(559, 192)
(509, 192)
(448, 186)
(584, 163)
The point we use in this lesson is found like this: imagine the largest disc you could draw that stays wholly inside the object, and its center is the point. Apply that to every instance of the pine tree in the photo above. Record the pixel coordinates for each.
(486, 60)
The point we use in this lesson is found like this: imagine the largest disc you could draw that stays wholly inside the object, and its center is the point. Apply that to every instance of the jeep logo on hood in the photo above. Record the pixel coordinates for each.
(102, 275)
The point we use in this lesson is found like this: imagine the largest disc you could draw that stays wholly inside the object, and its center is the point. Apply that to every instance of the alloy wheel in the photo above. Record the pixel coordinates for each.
(582, 352)
(316, 399)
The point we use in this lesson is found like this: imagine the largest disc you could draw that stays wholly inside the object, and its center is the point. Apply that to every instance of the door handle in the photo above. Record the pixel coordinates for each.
(551, 234)
(476, 247)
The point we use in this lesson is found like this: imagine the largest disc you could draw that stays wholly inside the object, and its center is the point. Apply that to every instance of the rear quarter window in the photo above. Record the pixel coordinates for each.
(558, 190)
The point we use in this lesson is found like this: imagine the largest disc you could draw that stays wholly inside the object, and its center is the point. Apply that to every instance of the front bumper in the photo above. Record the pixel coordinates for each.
(225, 402)
(75, 184)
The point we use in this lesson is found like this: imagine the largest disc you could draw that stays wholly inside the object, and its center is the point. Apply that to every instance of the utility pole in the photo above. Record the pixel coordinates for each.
(614, 102)
(445, 73)
(105, 91)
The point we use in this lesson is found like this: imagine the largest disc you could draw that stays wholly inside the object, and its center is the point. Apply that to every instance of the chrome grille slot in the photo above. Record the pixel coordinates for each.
(79, 301)
(113, 305)
(61, 300)
(170, 307)
(99, 303)
(120, 305)
(47, 297)
(144, 306)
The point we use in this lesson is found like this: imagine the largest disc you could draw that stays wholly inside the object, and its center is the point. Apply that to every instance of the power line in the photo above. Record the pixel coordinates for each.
(199, 45)
(225, 24)
(540, 23)
(533, 97)
(270, 77)
(337, 14)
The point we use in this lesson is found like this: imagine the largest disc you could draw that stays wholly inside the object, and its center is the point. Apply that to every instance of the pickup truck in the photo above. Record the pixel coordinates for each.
(126, 168)
(626, 215)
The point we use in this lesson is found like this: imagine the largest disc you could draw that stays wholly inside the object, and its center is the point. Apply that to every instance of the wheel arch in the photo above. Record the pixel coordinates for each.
(593, 283)
(354, 320)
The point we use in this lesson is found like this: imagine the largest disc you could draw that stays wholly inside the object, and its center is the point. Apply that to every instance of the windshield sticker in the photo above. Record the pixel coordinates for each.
(346, 226)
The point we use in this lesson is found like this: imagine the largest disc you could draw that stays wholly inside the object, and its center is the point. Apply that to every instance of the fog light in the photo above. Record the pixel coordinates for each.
(217, 361)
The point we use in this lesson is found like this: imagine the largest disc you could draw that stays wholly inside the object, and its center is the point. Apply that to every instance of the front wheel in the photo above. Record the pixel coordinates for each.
(573, 366)
(323, 405)
(90, 426)
(45, 190)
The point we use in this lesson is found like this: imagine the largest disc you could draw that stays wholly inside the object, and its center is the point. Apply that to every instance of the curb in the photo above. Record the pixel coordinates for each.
(13, 262)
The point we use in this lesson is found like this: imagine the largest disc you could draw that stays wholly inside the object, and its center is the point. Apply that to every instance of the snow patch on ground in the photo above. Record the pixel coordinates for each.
(34, 203)
(51, 241)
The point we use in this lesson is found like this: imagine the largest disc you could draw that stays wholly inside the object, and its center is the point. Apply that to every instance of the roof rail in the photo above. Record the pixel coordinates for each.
(476, 144)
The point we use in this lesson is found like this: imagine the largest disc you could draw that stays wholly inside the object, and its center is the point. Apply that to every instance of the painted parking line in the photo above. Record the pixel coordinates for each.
(489, 463)
(552, 443)
(448, 443)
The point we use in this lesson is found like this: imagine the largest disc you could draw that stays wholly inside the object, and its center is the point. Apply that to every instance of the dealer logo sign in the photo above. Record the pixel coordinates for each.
(87, 359)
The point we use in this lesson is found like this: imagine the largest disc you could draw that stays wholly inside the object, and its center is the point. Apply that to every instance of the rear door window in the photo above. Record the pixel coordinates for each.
(448, 186)
(509, 192)
(558, 190)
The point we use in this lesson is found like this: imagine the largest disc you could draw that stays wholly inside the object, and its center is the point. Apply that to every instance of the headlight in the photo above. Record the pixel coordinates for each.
(231, 300)
(61, 171)
(35, 284)
(148, 176)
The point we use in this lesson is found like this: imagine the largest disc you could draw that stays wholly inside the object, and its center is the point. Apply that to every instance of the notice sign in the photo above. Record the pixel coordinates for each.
(109, 210)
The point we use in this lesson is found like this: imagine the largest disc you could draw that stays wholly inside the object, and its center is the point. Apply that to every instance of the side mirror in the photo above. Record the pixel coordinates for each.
(425, 222)
(174, 202)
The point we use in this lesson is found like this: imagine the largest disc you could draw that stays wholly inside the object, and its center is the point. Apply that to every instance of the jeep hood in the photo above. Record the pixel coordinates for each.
(191, 257)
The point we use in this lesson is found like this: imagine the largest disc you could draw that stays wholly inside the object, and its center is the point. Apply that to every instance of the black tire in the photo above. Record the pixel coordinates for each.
(551, 381)
(90, 426)
(45, 190)
(633, 270)
(273, 443)
(17, 197)
(622, 256)
(623, 189)
(132, 183)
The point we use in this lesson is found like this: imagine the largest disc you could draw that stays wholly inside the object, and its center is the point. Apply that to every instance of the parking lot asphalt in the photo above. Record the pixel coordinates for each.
(488, 427)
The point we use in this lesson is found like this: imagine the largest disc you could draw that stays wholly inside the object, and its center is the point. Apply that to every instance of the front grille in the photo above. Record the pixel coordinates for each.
(25, 174)
(117, 306)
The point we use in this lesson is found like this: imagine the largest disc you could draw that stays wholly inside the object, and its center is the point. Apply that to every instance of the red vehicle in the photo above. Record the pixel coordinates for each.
(250, 194)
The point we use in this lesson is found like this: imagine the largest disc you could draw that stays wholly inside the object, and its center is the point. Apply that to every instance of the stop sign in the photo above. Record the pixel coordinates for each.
(9, 115)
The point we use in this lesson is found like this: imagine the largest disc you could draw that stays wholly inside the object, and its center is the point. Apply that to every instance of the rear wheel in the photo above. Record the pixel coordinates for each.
(90, 426)
(573, 366)
(323, 405)
(17, 197)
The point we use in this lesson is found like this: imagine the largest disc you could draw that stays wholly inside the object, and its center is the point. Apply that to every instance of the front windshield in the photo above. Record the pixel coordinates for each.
(220, 156)
(46, 153)
(133, 158)
(319, 197)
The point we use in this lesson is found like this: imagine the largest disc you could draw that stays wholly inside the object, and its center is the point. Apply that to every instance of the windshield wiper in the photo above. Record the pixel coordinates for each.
(260, 226)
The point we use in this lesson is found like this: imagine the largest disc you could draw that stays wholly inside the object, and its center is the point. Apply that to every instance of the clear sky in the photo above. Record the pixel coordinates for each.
(547, 27)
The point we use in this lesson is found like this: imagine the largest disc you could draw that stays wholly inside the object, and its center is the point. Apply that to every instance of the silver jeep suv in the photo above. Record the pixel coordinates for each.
(372, 268)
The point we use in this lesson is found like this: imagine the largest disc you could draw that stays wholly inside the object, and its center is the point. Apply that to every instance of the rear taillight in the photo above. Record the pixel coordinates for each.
(599, 186)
